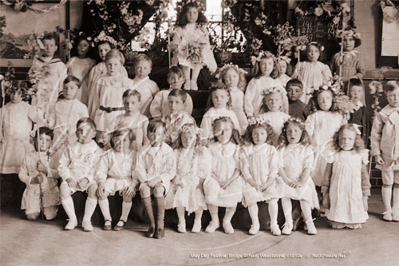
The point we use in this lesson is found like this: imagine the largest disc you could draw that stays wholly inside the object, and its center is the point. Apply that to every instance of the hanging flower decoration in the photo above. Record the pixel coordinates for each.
(25, 5)
(282, 37)
(390, 14)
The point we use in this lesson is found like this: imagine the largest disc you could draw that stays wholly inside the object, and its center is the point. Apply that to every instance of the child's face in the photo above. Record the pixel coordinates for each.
(187, 139)
(131, 104)
(16, 97)
(49, 48)
(176, 104)
(294, 93)
(121, 143)
(393, 98)
(83, 48)
(266, 66)
(294, 133)
(142, 69)
(223, 132)
(70, 89)
(282, 67)
(231, 78)
(156, 138)
(192, 15)
(113, 66)
(85, 133)
(259, 135)
(349, 43)
(103, 50)
(44, 142)
(356, 92)
(324, 100)
(313, 53)
(347, 139)
(175, 81)
(273, 101)
(220, 98)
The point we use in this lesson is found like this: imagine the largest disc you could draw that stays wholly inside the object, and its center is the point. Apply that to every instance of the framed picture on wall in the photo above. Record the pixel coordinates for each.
(17, 29)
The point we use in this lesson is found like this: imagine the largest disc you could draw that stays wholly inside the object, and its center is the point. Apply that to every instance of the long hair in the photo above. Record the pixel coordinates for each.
(304, 140)
(235, 135)
(359, 143)
(313, 104)
(214, 87)
(319, 47)
(181, 19)
(267, 55)
(18, 86)
(241, 81)
(77, 41)
(264, 109)
(247, 137)
(177, 144)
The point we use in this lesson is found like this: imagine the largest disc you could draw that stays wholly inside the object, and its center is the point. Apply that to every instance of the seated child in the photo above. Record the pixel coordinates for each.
(41, 191)
(116, 172)
(178, 116)
(77, 168)
(155, 167)
(296, 106)
(132, 119)
(160, 105)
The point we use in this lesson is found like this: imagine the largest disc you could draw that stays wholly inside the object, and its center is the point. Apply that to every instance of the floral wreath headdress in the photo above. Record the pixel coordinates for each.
(284, 58)
(228, 66)
(190, 128)
(277, 89)
(257, 121)
(104, 37)
(199, 4)
(296, 120)
(329, 86)
(258, 58)
(348, 33)
(316, 44)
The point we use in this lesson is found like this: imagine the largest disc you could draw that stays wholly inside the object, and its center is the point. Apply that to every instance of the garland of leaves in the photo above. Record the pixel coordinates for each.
(24, 5)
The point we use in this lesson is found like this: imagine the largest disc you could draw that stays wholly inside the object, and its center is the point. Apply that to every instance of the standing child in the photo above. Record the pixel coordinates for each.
(297, 107)
(160, 105)
(191, 35)
(80, 65)
(384, 147)
(16, 124)
(321, 127)
(77, 168)
(312, 73)
(108, 103)
(234, 78)
(68, 111)
(155, 167)
(267, 73)
(193, 166)
(360, 116)
(41, 191)
(271, 111)
(224, 187)
(219, 104)
(116, 172)
(296, 154)
(259, 167)
(284, 69)
(99, 70)
(143, 84)
(345, 188)
(51, 72)
(177, 117)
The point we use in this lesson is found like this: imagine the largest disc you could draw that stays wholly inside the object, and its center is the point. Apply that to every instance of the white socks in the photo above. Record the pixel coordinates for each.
(89, 208)
(126, 206)
(69, 208)
(104, 206)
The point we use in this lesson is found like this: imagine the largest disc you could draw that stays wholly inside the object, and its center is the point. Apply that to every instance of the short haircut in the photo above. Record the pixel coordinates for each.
(142, 57)
(178, 93)
(74, 79)
(392, 85)
(356, 82)
(294, 82)
(130, 93)
(154, 124)
(175, 70)
(42, 130)
(115, 53)
(87, 120)
(122, 132)
(50, 36)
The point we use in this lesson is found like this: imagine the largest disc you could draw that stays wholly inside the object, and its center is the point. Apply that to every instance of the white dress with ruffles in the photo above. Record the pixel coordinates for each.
(276, 120)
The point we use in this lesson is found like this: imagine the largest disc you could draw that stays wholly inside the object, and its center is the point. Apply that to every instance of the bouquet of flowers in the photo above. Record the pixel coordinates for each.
(193, 51)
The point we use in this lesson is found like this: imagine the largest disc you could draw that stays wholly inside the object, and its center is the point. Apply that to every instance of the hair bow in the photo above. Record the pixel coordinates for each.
(317, 44)
(357, 130)
(284, 58)
(226, 67)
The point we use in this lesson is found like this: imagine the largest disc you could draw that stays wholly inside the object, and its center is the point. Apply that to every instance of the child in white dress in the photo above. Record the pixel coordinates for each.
(132, 119)
(41, 193)
(219, 104)
(234, 78)
(116, 172)
(177, 117)
(267, 73)
(312, 73)
(345, 186)
(80, 65)
(155, 168)
(190, 44)
(284, 69)
(160, 105)
(193, 166)
(224, 187)
(296, 155)
(259, 167)
(271, 111)
(77, 170)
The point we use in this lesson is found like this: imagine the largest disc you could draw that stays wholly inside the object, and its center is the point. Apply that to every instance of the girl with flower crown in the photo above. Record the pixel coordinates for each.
(312, 73)
(193, 166)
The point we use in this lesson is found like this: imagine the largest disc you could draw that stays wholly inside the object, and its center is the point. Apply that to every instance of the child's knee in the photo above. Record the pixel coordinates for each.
(145, 191)
(159, 191)
(387, 185)
(92, 190)
(32, 216)
(65, 191)
(388, 177)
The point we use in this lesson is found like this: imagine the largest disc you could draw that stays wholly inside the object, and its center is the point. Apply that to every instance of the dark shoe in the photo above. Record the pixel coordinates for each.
(107, 225)
(159, 233)
(151, 232)
(119, 227)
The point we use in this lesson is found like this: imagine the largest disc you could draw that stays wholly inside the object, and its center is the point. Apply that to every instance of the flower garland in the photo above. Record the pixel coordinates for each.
(24, 5)
(271, 90)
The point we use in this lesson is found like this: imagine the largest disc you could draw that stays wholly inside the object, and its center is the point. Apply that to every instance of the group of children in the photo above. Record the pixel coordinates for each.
(275, 138)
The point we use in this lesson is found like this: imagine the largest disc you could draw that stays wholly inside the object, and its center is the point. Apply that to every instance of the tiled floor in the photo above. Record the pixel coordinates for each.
(45, 243)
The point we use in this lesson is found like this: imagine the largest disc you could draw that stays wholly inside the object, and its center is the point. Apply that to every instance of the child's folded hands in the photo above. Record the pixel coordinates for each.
(71, 182)
(83, 183)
